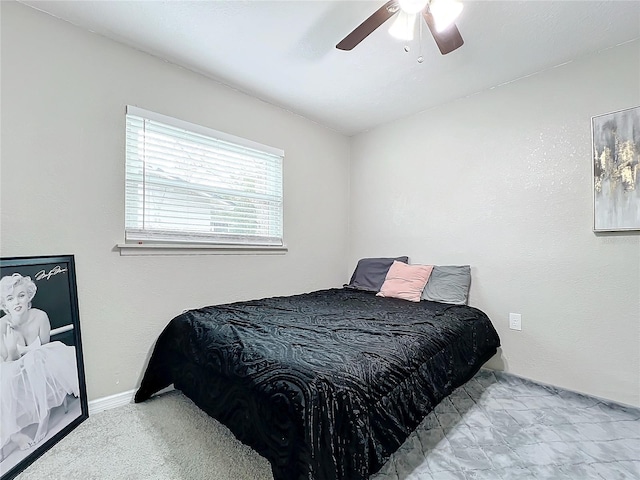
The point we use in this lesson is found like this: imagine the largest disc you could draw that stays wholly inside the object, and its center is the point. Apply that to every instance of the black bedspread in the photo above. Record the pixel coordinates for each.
(325, 385)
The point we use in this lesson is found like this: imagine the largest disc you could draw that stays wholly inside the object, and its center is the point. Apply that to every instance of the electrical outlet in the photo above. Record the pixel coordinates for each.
(515, 321)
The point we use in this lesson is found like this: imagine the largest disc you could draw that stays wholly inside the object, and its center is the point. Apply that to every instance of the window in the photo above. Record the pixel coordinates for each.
(191, 184)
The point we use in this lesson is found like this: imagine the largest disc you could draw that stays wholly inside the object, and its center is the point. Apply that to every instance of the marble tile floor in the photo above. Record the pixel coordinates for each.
(498, 426)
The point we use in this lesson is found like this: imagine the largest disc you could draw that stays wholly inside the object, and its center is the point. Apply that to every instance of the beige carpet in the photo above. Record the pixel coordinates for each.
(166, 437)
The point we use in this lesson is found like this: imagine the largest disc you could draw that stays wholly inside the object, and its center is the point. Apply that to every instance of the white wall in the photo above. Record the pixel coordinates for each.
(64, 93)
(502, 181)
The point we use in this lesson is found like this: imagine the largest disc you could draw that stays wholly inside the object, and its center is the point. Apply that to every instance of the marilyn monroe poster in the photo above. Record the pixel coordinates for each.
(42, 385)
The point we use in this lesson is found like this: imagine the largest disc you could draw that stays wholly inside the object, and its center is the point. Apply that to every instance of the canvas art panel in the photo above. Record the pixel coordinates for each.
(43, 392)
(616, 183)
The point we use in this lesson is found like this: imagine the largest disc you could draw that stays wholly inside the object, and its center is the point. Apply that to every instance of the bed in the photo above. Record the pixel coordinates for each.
(325, 385)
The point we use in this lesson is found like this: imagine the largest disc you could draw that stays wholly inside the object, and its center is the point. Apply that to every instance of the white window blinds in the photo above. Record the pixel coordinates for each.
(188, 183)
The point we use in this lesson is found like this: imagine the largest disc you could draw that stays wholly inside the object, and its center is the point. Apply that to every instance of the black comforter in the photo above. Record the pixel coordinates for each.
(325, 385)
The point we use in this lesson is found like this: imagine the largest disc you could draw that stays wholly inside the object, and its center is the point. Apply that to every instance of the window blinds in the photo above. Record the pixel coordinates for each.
(188, 183)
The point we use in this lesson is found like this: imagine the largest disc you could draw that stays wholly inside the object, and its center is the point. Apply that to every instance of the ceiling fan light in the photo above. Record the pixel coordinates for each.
(412, 6)
(403, 26)
(444, 13)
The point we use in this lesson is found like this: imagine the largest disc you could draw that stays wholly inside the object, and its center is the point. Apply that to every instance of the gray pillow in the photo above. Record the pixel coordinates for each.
(448, 284)
(370, 273)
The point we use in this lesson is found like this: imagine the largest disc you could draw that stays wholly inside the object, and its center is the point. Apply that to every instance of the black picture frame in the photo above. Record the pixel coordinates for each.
(43, 394)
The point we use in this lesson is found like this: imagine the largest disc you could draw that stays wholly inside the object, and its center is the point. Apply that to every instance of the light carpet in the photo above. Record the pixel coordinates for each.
(166, 437)
(496, 426)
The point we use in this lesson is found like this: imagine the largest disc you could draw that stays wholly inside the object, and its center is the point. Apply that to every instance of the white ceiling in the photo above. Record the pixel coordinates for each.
(284, 51)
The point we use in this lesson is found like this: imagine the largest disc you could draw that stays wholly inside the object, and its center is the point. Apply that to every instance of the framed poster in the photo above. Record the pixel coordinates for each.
(43, 391)
(616, 180)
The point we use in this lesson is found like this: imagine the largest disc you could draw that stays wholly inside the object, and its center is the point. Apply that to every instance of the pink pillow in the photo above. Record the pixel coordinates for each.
(405, 281)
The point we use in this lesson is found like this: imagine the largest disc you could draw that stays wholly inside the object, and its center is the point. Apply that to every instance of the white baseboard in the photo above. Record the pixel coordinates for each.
(112, 401)
(117, 400)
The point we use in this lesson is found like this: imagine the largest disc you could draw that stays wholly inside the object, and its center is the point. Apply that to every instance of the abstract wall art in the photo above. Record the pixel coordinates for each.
(616, 173)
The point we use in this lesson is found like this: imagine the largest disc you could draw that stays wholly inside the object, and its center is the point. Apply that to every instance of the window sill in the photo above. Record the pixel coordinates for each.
(135, 249)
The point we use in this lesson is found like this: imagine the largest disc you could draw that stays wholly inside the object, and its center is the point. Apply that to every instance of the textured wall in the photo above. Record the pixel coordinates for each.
(64, 93)
(502, 180)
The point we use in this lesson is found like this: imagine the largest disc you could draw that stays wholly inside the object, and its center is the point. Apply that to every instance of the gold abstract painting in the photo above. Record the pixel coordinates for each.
(616, 179)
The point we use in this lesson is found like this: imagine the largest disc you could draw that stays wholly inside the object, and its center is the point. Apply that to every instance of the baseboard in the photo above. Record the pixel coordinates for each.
(117, 400)
(112, 401)
(604, 400)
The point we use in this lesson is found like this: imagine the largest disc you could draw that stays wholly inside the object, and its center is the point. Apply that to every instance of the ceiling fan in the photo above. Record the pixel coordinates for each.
(438, 14)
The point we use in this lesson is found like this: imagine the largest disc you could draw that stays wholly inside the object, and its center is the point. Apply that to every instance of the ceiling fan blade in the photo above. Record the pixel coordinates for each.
(448, 40)
(363, 30)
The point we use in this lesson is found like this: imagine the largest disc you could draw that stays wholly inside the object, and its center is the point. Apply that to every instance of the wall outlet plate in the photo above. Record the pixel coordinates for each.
(515, 321)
